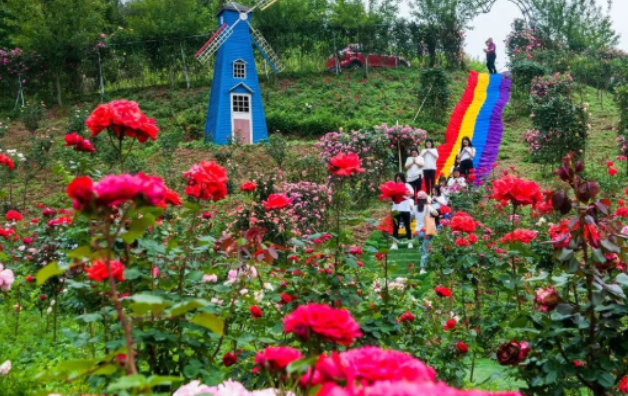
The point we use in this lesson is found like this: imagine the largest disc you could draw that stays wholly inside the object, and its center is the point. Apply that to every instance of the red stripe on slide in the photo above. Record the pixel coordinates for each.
(453, 129)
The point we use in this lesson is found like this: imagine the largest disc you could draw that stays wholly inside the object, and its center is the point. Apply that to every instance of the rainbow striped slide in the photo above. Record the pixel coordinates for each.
(478, 116)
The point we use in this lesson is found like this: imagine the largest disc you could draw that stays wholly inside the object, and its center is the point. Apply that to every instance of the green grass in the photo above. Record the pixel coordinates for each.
(489, 375)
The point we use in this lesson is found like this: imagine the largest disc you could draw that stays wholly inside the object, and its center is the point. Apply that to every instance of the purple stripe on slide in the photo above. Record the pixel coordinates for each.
(495, 131)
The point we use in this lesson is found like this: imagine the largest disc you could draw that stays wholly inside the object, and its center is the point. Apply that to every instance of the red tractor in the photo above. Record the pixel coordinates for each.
(352, 57)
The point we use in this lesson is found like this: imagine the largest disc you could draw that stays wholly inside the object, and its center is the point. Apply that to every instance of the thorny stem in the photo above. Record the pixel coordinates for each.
(514, 265)
(589, 283)
(126, 326)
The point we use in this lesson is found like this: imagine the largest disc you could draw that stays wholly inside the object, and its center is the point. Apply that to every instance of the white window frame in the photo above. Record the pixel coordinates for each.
(239, 63)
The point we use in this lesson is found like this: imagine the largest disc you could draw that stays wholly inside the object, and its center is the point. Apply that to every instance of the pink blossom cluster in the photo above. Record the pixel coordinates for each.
(6, 278)
(227, 388)
(402, 136)
(557, 84)
(309, 204)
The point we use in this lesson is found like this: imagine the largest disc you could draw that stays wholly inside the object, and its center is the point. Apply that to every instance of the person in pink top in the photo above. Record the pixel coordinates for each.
(490, 56)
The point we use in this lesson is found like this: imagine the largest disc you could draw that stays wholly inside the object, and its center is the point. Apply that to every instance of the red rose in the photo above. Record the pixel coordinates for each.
(98, 270)
(472, 238)
(334, 325)
(345, 164)
(81, 190)
(525, 236)
(406, 317)
(248, 186)
(442, 291)
(396, 192)
(72, 139)
(462, 347)
(612, 171)
(13, 215)
(518, 191)
(6, 161)
(444, 210)
(286, 298)
(172, 197)
(30, 279)
(206, 181)
(229, 359)
(609, 164)
(450, 324)
(86, 146)
(256, 311)
(125, 118)
(276, 358)
(461, 221)
(512, 353)
(462, 242)
(276, 202)
(42, 297)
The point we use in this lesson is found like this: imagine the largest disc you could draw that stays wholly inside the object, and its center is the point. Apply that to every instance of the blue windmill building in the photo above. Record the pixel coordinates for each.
(236, 111)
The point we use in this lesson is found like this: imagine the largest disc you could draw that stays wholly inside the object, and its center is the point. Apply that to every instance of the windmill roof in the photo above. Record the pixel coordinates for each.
(231, 6)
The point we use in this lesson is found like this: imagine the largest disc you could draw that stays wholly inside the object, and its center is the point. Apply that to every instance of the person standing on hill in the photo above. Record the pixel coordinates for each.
(414, 168)
(403, 213)
(490, 56)
(430, 155)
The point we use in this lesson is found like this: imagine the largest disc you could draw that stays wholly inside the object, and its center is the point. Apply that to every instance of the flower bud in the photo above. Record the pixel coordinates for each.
(579, 166)
(587, 191)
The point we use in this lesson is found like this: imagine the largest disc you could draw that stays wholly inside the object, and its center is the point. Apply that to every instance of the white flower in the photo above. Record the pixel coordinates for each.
(5, 368)
(244, 291)
(52, 302)
(192, 389)
(268, 286)
(258, 295)
(216, 301)
(49, 310)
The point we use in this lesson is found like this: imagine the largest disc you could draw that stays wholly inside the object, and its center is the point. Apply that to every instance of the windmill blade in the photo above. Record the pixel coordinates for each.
(263, 4)
(214, 42)
(266, 50)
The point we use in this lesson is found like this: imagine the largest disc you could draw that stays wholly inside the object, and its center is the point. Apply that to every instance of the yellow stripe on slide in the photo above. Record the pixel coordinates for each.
(468, 121)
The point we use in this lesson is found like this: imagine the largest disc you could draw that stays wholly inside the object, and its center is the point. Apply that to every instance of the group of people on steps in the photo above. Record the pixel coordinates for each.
(425, 196)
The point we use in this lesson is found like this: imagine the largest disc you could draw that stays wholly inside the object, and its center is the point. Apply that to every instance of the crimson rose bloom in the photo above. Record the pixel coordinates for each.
(462, 242)
(72, 139)
(125, 118)
(406, 317)
(612, 171)
(442, 291)
(368, 365)
(256, 311)
(248, 186)
(276, 202)
(462, 222)
(116, 189)
(345, 164)
(462, 347)
(396, 192)
(81, 190)
(13, 215)
(450, 324)
(6, 161)
(276, 358)
(206, 181)
(172, 198)
(512, 353)
(229, 359)
(85, 146)
(334, 325)
(403, 388)
(525, 236)
(518, 191)
(98, 270)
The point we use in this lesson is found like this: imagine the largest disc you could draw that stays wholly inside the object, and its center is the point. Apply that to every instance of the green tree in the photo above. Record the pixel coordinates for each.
(59, 30)
(159, 19)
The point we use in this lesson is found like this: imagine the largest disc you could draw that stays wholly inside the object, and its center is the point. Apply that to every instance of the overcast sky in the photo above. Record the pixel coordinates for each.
(496, 24)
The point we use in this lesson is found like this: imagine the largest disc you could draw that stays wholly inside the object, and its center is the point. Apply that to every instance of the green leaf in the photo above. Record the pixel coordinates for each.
(301, 365)
(209, 321)
(187, 306)
(80, 252)
(129, 382)
(145, 303)
(565, 254)
(158, 380)
(48, 272)
(622, 279)
(137, 228)
(609, 246)
(132, 273)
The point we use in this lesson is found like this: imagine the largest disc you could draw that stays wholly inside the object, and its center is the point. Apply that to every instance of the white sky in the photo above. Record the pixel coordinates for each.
(497, 23)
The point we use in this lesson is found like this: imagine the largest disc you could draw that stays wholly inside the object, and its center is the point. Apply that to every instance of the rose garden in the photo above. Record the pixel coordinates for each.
(139, 259)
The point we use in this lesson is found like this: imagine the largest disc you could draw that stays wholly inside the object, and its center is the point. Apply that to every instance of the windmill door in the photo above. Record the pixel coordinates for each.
(242, 130)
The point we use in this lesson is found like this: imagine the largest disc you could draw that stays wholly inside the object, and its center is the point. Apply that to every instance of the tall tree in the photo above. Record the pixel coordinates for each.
(59, 30)
(158, 19)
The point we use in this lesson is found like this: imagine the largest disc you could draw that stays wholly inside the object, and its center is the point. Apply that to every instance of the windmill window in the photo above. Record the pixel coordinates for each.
(240, 103)
(239, 69)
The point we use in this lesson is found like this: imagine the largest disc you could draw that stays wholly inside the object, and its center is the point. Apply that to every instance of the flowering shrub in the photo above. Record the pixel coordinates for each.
(545, 87)
(310, 204)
